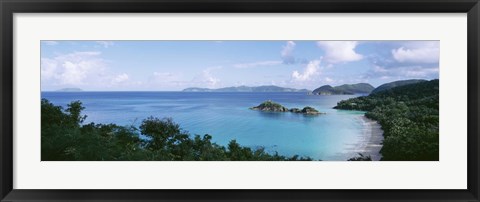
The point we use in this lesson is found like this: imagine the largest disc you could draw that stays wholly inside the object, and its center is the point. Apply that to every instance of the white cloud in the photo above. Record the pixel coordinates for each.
(50, 43)
(379, 69)
(121, 78)
(87, 70)
(48, 68)
(399, 72)
(310, 70)
(74, 73)
(420, 72)
(428, 52)
(105, 44)
(287, 53)
(72, 69)
(79, 55)
(169, 80)
(206, 78)
(257, 64)
(162, 75)
(339, 51)
(166, 80)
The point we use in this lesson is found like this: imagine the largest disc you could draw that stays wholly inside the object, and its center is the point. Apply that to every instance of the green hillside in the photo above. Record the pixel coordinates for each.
(409, 118)
(396, 84)
(348, 89)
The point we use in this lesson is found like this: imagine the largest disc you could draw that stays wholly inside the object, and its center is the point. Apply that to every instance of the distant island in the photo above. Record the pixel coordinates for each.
(270, 106)
(345, 89)
(70, 90)
(270, 88)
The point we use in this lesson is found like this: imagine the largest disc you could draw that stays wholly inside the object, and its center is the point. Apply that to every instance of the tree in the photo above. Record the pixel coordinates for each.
(409, 118)
(65, 137)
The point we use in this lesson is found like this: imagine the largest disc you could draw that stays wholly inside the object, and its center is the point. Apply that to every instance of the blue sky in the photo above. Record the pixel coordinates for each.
(175, 65)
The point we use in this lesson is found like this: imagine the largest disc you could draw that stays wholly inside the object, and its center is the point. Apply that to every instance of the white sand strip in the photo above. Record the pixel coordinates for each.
(369, 144)
(372, 139)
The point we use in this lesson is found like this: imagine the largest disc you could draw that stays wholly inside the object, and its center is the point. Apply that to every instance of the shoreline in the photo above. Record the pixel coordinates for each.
(371, 143)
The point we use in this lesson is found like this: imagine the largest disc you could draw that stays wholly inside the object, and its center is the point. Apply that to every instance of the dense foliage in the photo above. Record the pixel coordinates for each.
(355, 88)
(360, 157)
(409, 118)
(65, 137)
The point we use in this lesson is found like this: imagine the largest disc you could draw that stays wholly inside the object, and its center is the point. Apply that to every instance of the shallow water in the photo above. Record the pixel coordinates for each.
(227, 116)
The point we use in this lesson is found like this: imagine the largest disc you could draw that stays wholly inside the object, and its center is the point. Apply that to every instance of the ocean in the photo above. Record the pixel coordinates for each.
(226, 116)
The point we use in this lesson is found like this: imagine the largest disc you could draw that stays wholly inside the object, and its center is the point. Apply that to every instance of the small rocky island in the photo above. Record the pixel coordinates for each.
(270, 106)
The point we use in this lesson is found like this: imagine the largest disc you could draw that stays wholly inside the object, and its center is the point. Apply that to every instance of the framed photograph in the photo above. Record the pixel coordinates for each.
(239, 101)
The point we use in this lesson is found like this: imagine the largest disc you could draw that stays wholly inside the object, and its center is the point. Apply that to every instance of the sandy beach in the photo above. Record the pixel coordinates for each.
(371, 141)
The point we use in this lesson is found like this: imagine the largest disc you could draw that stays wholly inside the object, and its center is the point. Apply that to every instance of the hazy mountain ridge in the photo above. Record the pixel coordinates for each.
(270, 88)
(345, 89)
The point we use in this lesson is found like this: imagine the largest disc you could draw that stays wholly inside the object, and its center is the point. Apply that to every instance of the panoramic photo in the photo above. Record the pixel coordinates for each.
(240, 100)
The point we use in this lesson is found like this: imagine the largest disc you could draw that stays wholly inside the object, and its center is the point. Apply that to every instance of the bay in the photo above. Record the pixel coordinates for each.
(226, 116)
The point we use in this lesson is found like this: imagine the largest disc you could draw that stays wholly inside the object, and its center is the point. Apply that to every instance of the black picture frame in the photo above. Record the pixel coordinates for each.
(10, 7)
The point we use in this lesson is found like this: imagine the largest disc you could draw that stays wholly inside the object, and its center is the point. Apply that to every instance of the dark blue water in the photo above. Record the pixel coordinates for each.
(227, 116)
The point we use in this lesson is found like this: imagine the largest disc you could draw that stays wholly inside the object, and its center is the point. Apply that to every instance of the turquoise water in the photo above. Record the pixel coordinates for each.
(226, 116)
